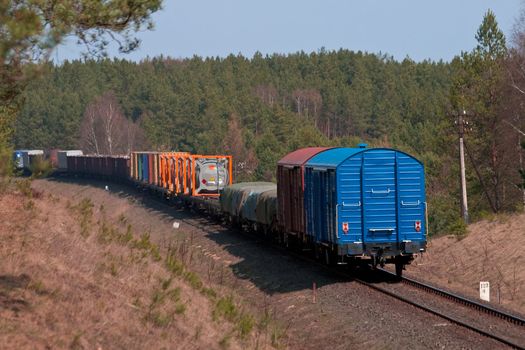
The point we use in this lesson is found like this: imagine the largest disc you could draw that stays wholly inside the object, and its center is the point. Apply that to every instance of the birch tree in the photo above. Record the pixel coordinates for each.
(105, 129)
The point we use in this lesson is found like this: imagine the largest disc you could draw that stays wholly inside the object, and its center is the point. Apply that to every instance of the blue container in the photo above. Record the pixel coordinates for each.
(366, 201)
(145, 167)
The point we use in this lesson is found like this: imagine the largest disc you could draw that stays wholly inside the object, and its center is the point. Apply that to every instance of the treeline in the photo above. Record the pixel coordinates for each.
(260, 108)
(280, 102)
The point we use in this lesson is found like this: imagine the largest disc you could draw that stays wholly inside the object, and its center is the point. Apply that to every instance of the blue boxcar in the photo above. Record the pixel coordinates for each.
(366, 202)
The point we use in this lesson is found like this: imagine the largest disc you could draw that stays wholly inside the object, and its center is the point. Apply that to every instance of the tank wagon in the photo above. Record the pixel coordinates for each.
(349, 205)
(207, 175)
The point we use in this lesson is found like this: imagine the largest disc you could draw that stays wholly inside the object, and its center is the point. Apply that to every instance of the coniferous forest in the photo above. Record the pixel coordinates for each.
(260, 108)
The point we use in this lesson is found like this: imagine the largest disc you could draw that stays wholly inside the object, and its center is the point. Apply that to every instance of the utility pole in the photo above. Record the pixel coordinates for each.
(462, 123)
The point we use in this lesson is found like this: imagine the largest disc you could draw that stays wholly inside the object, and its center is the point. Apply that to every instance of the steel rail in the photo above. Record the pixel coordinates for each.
(461, 300)
(442, 315)
(348, 275)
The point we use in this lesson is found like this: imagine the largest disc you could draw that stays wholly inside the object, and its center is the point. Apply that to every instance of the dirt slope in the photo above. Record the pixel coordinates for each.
(77, 275)
(491, 251)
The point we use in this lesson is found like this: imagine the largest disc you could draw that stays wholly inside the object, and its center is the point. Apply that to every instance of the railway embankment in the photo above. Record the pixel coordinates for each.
(492, 250)
(84, 271)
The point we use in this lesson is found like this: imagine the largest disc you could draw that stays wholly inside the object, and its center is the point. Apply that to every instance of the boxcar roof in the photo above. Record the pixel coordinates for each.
(300, 156)
(335, 156)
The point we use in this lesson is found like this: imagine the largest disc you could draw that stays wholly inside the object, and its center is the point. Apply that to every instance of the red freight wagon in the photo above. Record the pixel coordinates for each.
(290, 190)
(82, 164)
(110, 166)
(121, 167)
(105, 166)
(72, 164)
(87, 166)
(98, 165)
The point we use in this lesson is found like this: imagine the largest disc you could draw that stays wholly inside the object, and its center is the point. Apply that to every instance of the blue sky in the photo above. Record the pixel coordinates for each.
(418, 29)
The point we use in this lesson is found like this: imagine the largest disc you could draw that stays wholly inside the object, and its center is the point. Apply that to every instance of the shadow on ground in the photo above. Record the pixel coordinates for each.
(8, 299)
(271, 269)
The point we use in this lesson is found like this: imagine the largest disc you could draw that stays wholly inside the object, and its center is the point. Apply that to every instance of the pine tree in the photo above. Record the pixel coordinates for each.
(477, 87)
(30, 30)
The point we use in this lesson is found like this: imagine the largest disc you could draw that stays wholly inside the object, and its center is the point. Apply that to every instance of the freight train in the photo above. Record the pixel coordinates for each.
(347, 205)
(173, 174)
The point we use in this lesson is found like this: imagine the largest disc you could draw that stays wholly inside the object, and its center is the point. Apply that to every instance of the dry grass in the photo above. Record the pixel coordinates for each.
(75, 277)
(492, 250)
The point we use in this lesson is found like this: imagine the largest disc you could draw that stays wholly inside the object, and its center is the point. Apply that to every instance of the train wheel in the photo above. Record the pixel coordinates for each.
(351, 265)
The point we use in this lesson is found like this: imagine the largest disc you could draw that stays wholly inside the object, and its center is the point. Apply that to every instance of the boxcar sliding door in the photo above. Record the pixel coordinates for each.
(379, 196)
(349, 203)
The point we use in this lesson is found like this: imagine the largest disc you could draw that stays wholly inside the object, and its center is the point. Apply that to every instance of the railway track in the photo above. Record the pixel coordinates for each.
(488, 310)
(513, 319)
(461, 300)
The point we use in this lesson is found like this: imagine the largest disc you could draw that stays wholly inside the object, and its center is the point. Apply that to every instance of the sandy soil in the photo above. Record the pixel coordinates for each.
(72, 277)
(491, 251)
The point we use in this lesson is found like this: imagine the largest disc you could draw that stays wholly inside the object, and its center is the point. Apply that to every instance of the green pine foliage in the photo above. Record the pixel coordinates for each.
(260, 108)
(281, 103)
(479, 85)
